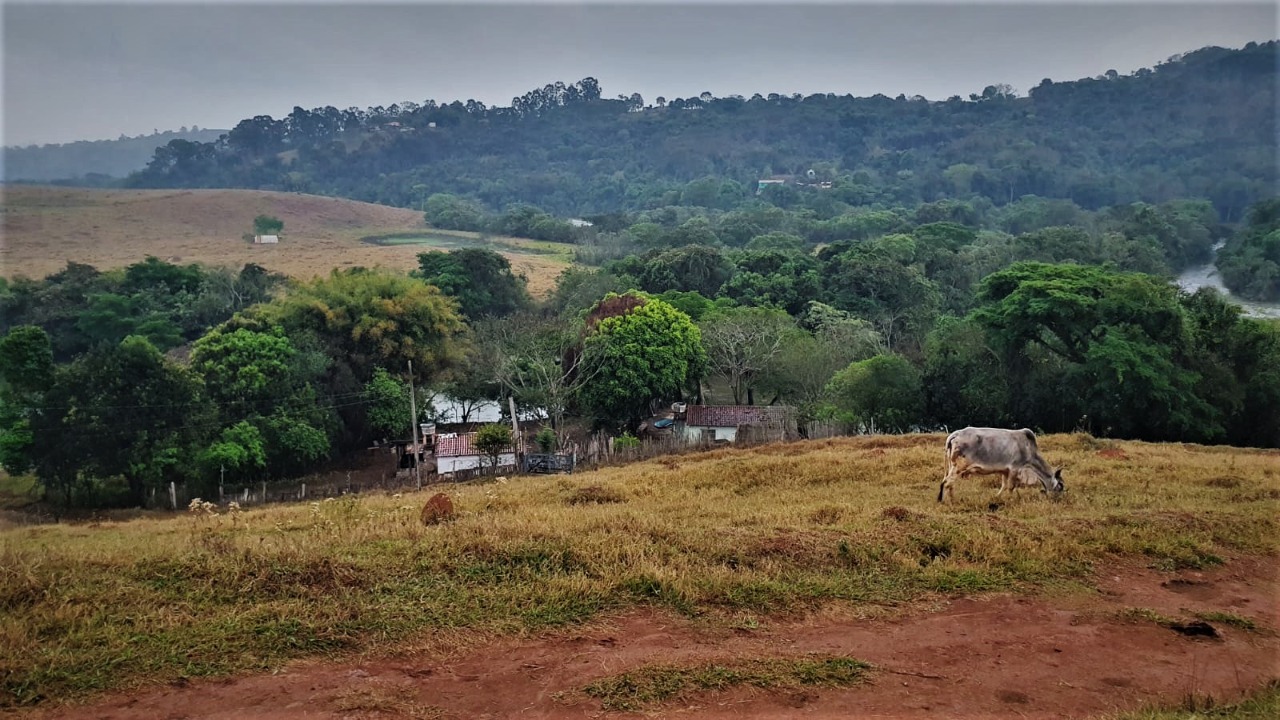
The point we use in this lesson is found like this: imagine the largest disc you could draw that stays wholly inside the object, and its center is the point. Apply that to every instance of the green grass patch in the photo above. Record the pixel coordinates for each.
(1263, 704)
(655, 684)
(1231, 619)
(1146, 615)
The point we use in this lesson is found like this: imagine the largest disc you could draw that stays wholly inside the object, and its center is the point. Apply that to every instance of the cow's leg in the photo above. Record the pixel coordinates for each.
(947, 480)
(1008, 481)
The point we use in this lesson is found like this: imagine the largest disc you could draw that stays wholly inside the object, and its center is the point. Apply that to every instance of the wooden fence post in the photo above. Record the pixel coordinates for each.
(304, 491)
(173, 494)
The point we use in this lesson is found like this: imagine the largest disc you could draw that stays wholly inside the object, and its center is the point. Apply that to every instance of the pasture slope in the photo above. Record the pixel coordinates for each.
(45, 227)
(812, 579)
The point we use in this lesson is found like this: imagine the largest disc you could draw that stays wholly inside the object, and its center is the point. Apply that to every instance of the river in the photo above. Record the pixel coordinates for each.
(1206, 275)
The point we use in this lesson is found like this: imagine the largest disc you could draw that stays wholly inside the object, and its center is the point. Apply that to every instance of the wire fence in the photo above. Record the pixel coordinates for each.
(382, 475)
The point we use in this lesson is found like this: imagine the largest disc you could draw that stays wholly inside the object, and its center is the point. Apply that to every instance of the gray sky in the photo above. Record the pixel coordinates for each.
(95, 70)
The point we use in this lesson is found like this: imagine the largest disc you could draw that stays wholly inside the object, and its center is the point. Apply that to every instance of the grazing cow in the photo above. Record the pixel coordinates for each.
(991, 451)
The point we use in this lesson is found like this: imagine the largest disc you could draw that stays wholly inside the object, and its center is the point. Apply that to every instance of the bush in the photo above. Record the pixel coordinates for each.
(879, 393)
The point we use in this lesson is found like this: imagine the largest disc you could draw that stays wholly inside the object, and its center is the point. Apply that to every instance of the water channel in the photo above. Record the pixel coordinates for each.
(1206, 275)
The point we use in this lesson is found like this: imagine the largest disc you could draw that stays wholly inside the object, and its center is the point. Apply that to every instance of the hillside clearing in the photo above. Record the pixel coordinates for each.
(772, 533)
(45, 227)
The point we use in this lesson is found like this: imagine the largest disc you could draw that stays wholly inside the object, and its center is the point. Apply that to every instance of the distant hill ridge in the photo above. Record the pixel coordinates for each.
(1199, 125)
(85, 159)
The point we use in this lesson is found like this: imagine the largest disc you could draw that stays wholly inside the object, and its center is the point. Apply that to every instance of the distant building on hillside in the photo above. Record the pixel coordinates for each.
(579, 222)
(775, 180)
(266, 239)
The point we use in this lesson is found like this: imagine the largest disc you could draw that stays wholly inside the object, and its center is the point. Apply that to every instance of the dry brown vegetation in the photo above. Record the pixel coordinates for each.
(779, 530)
(46, 227)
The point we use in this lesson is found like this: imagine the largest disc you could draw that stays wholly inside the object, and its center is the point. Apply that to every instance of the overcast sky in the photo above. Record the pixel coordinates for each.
(92, 71)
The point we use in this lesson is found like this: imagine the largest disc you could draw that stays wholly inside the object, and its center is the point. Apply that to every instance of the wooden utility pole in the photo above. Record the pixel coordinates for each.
(515, 435)
(413, 427)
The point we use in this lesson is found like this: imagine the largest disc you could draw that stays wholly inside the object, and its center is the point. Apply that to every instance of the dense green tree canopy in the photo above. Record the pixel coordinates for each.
(1250, 262)
(650, 352)
(570, 150)
(881, 393)
(120, 411)
(1119, 341)
(480, 280)
(373, 318)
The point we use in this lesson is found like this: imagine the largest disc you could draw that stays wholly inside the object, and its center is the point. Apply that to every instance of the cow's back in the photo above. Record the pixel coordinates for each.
(993, 447)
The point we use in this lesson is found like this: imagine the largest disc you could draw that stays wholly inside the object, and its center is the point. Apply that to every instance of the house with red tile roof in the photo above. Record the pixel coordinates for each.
(721, 423)
(457, 451)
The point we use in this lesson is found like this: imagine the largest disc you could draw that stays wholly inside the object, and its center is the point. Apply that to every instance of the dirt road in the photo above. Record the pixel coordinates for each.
(1078, 655)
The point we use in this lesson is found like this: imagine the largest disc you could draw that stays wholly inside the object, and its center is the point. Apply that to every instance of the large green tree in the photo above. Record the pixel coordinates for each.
(881, 393)
(26, 372)
(256, 376)
(743, 344)
(1120, 342)
(364, 319)
(481, 280)
(647, 352)
(120, 411)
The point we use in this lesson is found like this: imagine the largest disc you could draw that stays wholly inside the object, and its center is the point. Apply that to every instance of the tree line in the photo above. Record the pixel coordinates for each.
(113, 384)
(1087, 153)
(1198, 125)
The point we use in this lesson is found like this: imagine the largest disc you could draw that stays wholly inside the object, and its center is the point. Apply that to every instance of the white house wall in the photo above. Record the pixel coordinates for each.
(694, 433)
(447, 465)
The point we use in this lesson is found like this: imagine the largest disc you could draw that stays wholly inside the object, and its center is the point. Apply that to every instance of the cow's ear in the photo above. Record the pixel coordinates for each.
(1058, 473)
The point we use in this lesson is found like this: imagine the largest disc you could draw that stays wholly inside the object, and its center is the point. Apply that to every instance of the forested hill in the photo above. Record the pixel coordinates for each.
(93, 161)
(1198, 125)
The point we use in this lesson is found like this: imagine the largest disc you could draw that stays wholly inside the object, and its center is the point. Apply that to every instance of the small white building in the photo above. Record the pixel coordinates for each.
(455, 451)
(266, 239)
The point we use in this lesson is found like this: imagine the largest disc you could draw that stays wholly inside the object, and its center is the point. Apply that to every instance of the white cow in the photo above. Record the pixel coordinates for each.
(992, 451)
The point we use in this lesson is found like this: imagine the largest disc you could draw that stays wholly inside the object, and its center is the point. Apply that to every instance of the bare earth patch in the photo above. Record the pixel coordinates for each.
(1071, 655)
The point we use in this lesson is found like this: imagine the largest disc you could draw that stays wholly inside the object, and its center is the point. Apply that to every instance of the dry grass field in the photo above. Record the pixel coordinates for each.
(45, 227)
(760, 553)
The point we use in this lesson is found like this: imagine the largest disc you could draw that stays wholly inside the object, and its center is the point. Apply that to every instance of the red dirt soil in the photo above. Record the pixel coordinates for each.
(999, 656)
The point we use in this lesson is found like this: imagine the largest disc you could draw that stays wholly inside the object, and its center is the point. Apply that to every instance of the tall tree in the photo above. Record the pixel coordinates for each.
(373, 318)
(120, 411)
(877, 394)
(481, 280)
(648, 351)
(742, 344)
(1120, 339)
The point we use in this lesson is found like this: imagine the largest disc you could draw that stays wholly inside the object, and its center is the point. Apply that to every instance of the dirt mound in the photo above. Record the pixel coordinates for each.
(437, 510)
(999, 656)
